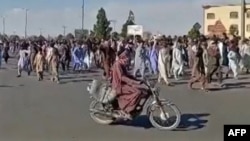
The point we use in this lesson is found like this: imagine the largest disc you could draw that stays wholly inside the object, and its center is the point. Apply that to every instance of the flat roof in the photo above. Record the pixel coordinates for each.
(222, 5)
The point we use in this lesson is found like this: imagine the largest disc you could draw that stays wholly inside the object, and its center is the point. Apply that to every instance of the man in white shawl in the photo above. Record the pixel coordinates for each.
(140, 60)
(86, 56)
(233, 62)
(177, 61)
(23, 62)
(245, 56)
(49, 53)
(164, 63)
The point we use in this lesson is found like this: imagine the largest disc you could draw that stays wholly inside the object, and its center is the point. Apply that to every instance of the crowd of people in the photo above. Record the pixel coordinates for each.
(164, 56)
(126, 62)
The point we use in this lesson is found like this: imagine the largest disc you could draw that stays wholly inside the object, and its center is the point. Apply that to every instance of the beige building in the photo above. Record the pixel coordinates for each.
(226, 18)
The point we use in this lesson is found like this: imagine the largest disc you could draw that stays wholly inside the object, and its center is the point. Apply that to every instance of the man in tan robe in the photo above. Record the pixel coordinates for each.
(245, 54)
(126, 87)
(33, 52)
(39, 62)
(54, 65)
(213, 64)
(191, 54)
(198, 71)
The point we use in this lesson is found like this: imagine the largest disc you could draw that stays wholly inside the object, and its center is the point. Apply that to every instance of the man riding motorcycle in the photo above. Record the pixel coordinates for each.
(128, 89)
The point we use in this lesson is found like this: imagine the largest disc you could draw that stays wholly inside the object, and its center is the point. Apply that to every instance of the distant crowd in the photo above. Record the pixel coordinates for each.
(168, 57)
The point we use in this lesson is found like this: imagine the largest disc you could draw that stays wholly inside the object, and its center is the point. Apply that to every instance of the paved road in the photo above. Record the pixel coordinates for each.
(45, 111)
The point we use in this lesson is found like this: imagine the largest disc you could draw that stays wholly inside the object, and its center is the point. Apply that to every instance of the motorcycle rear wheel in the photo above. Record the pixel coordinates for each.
(98, 117)
(158, 123)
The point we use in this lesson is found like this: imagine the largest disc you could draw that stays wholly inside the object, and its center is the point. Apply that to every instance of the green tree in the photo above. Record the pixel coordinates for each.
(4, 37)
(14, 38)
(115, 36)
(60, 37)
(92, 34)
(41, 38)
(33, 38)
(102, 27)
(70, 36)
(130, 21)
(194, 33)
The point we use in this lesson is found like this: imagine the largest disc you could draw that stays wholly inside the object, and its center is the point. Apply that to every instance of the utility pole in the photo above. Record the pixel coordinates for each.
(83, 4)
(3, 25)
(64, 30)
(243, 9)
(26, 21)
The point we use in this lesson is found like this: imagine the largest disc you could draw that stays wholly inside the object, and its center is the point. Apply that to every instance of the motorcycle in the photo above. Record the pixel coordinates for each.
(104, 107)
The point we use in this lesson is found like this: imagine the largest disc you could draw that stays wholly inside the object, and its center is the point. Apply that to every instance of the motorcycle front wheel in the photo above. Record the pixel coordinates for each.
(165, 121)
(98, 117)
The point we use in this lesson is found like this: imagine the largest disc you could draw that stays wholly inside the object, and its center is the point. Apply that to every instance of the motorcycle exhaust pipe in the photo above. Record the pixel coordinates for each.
(102, 112)
(110, 114)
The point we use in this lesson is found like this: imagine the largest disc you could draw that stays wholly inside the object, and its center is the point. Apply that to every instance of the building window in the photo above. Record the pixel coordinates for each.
(248, 14)
(210, 16)
(210, 28)
(248, 28)
(234, 15)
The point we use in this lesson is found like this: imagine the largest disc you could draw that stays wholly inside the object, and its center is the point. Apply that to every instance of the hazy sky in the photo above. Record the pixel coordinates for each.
(164, 16)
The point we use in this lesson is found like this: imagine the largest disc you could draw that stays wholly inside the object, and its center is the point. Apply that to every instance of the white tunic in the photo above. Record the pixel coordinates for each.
(23, 60)
(49, 53)
(163, 59)
(177, 61)
(245, 54)
(233, 62)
